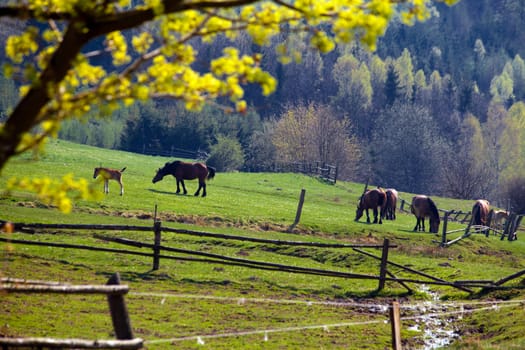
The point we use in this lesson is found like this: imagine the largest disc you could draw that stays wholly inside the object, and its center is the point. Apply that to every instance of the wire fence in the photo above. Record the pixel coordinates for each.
(411, 311)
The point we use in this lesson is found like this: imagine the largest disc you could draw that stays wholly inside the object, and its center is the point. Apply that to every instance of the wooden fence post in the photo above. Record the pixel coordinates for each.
(156, 248)
(382, 268)
(402, 206)
(444, 233)
(119, 312)
(395, 321)
(299, 210)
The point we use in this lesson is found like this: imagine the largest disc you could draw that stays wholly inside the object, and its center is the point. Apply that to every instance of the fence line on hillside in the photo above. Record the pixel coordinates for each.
(324, 171)
(384, 275)
(114, 292)
(510, 228)
(171, 152)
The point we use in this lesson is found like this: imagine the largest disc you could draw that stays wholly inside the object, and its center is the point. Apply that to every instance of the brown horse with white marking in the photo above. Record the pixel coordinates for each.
(371, 199)
(424, 207)
(186, 171)
(110, 174)
(498, 218)
(391, 203)
(480, 213)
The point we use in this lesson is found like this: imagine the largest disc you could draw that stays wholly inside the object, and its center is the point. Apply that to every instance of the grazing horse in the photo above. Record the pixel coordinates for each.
(110, 174)
(391, 203)
(497, 218)
(423, 207)
(480, 213)
(186, 171)
(371, 199)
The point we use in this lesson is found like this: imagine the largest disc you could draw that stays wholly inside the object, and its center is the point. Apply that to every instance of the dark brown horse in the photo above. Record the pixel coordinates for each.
(391, 203)
(371, 199)
(424, 207)
(186, 171)
(480, 213)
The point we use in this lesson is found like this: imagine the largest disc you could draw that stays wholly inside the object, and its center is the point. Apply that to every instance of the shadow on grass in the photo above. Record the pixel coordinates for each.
(162, 192)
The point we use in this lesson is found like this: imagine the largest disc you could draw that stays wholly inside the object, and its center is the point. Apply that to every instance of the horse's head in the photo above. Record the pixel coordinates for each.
(96, 172)
(359, 210)
(159, 175)
(358, 214)
(434, 225)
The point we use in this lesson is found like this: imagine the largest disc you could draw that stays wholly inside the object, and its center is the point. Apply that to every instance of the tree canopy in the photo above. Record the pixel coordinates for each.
(63, 79)
(72, 57)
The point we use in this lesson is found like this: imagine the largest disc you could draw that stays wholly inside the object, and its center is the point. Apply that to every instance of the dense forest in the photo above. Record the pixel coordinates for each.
(438, 108)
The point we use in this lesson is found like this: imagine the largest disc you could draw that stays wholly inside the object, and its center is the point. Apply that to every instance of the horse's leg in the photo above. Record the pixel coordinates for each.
(416, 228)
(202, 185)
(198, 189)
(422, 224)
(178, 188)
(375, 215)
(106, 186)
(183, 186)
(121, 188)
(367, 217)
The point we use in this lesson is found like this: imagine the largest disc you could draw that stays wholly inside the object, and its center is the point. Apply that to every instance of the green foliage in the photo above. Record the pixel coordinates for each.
(405, 75)
(512, 162)
(354, 83)
(392, 86)
(226, 155)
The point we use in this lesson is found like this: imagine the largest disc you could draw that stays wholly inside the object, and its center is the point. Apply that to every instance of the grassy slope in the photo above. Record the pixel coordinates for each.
(259, 205)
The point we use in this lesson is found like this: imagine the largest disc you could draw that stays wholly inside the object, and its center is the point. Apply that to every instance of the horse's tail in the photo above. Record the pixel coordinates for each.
(211, 172)
(123, 169)
(476, 214)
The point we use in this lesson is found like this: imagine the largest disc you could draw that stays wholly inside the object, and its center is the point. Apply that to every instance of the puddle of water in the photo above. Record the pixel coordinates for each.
(438, 331)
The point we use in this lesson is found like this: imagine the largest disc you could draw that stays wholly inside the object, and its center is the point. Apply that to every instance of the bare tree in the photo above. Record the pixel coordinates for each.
(314, 133)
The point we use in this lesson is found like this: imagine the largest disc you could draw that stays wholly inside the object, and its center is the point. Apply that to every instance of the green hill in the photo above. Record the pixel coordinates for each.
(171, 303)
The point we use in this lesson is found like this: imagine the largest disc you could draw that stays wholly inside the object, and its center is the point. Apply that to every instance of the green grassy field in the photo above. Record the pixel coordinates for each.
(236, 306)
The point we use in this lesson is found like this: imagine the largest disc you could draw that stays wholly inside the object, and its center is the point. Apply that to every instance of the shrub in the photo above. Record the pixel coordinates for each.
(226, 154)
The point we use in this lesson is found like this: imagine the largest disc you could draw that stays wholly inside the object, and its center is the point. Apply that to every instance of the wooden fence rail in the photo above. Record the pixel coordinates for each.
(326, 172)
(157, 248)
(117, 307)
(510, 229)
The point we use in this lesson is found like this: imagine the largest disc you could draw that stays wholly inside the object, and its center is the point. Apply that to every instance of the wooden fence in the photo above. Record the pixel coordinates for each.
(322, 170)
(509, 231)
(171, 152)
(155, 252)
(117, 309)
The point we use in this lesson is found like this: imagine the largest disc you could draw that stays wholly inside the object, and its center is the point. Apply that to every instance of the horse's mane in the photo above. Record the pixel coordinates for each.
(361, 198)
(433, 207)
(171, 165)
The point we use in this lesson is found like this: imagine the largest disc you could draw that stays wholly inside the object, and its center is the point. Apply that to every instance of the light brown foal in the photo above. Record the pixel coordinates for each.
(110, 174)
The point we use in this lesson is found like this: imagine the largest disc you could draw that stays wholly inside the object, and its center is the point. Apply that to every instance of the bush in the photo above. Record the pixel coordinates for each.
(226, 154)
